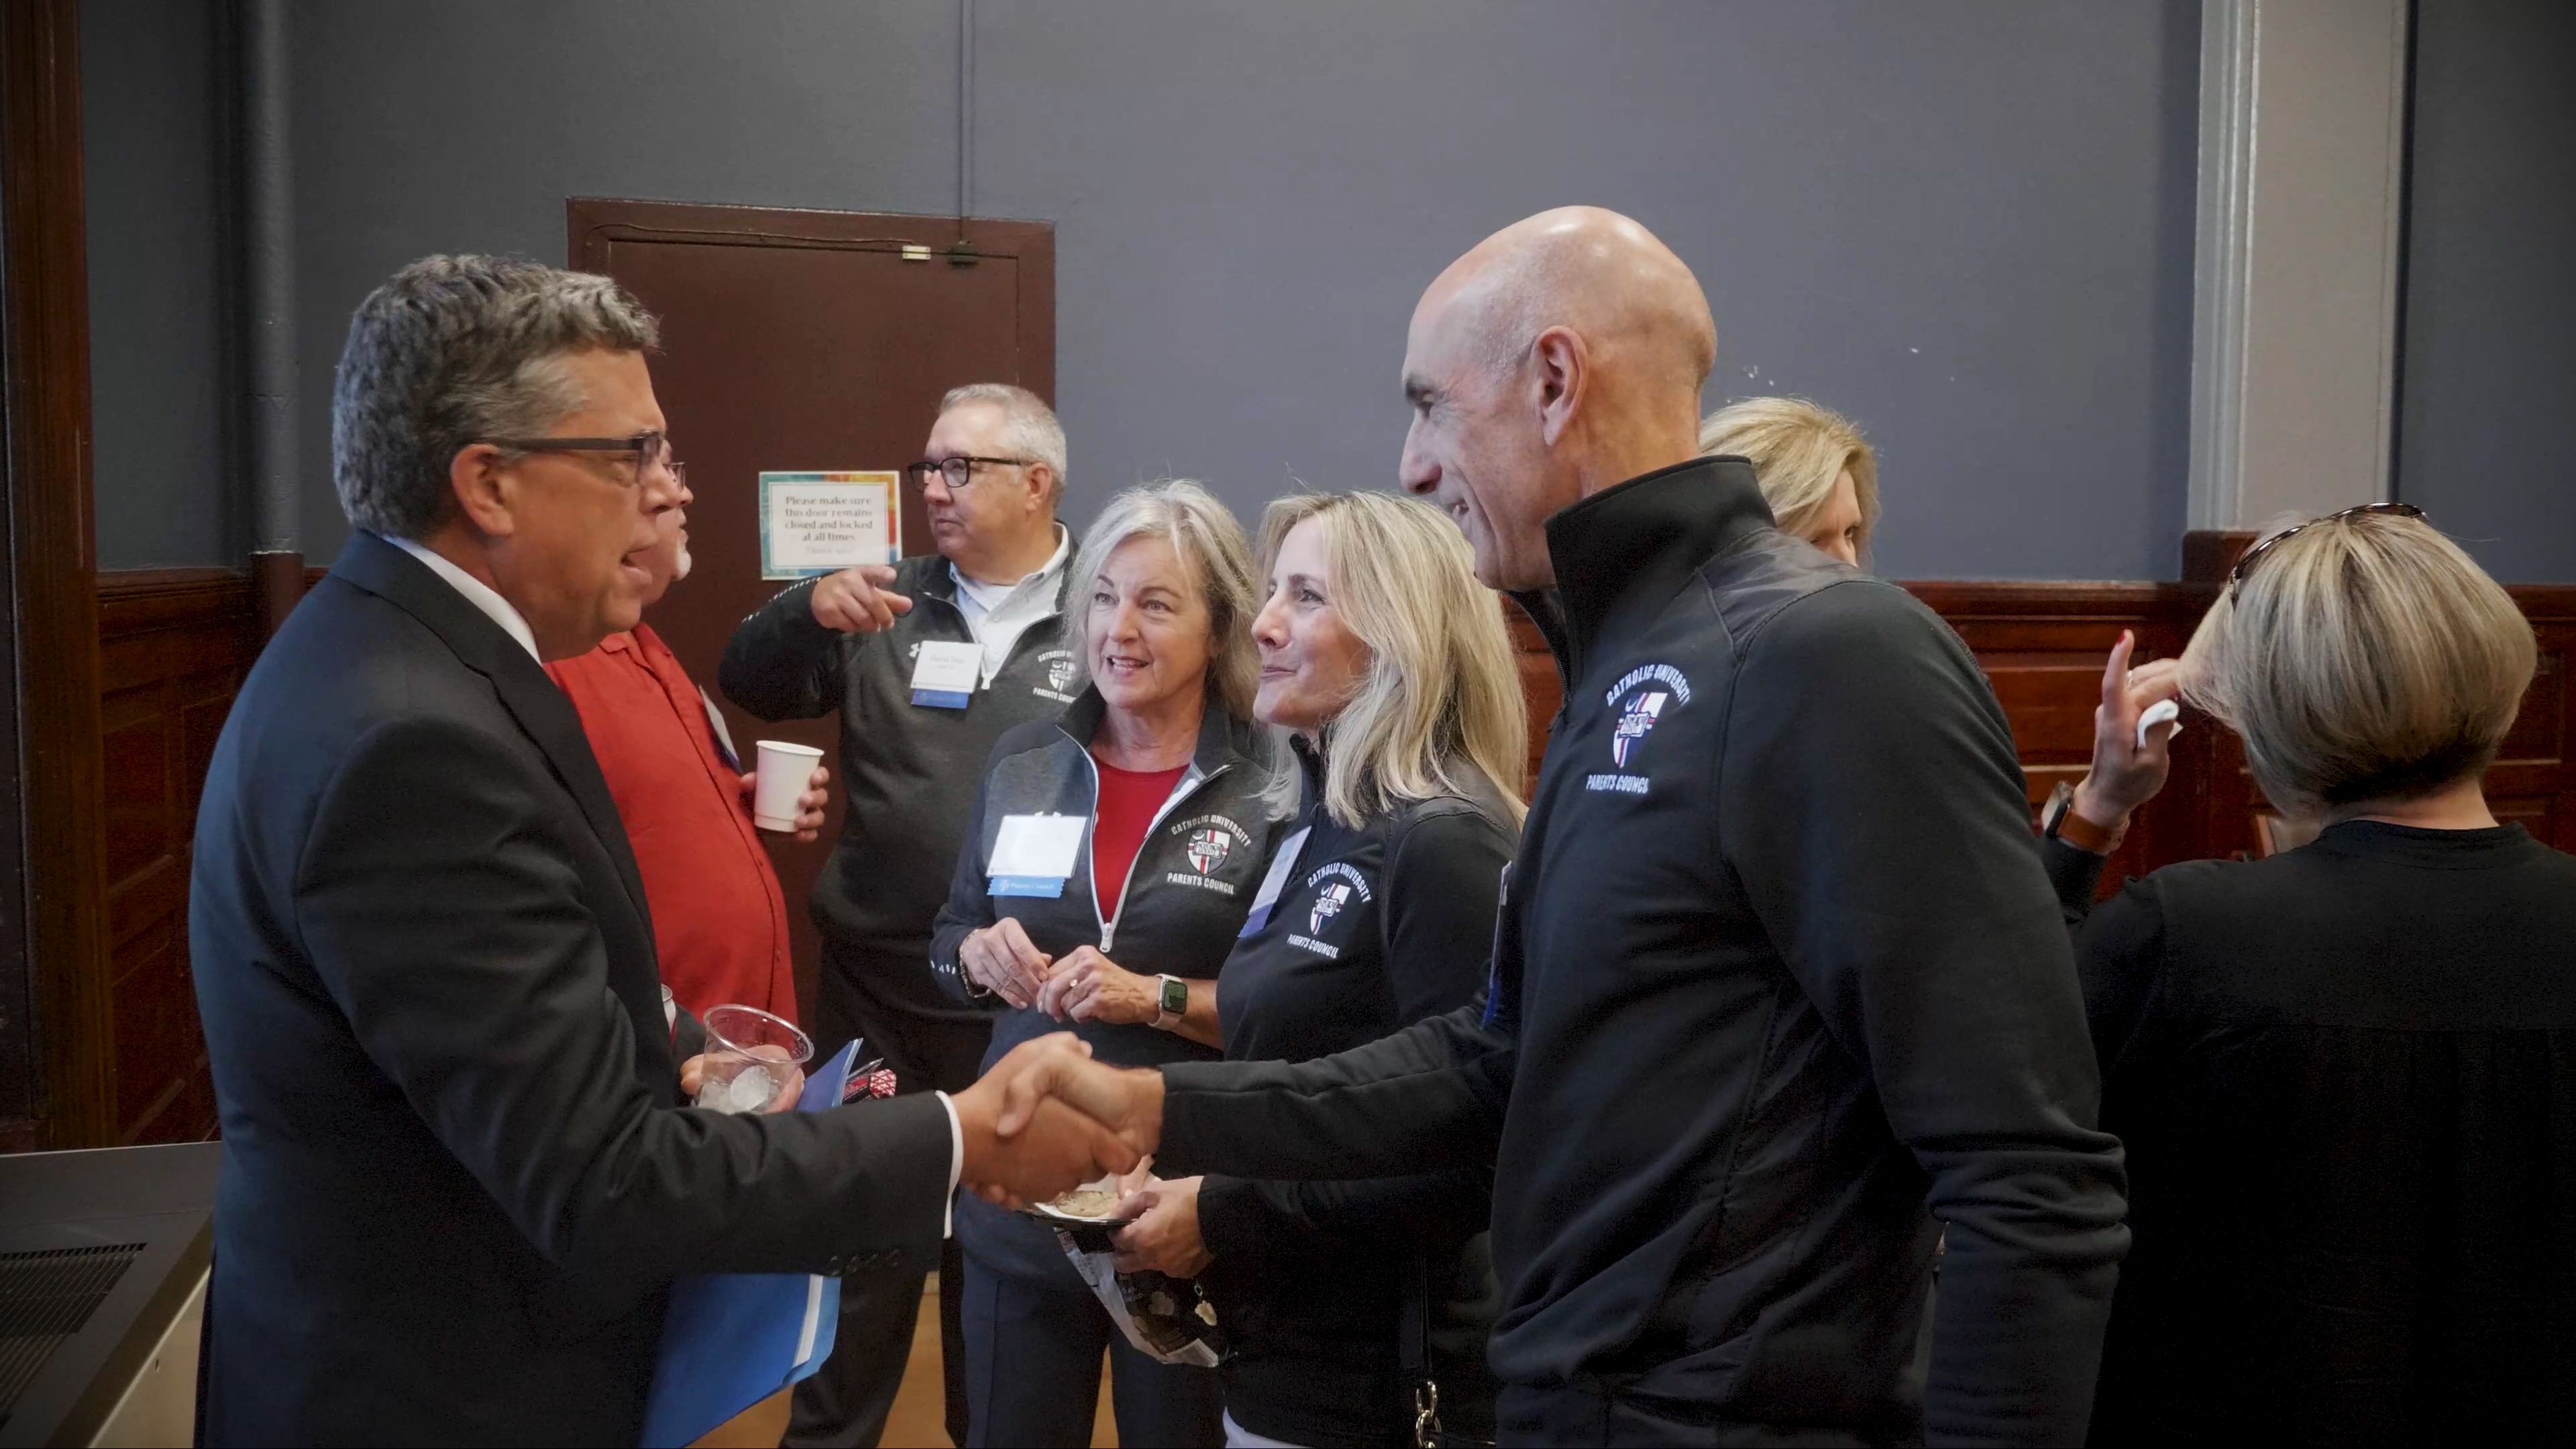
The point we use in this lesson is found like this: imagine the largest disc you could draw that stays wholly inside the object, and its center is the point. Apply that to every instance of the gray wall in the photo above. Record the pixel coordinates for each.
(155, 160)
(1968, 225)
(2490, 342)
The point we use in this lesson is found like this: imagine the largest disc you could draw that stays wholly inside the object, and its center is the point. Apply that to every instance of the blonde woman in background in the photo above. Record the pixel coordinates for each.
(2346, 1074)
(1388, 666)
(1817, 472)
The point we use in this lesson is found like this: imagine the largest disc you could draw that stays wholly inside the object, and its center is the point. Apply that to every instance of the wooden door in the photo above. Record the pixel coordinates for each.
(808, 340)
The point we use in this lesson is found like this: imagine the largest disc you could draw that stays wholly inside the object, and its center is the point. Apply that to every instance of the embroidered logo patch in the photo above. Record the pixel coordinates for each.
(1643, 697)
(1208, 849)
(1060, 673)
(1328, 904)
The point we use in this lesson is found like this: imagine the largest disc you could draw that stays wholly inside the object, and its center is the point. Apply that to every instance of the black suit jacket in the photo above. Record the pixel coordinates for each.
(456, 1187)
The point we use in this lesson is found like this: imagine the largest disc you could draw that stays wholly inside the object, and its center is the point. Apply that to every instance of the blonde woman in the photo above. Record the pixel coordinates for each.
(1817, 472)
(1388, 666)
(2344, 1074)
(1133, 828)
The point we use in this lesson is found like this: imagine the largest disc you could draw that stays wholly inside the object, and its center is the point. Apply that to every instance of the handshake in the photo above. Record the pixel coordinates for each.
(1047, 1118)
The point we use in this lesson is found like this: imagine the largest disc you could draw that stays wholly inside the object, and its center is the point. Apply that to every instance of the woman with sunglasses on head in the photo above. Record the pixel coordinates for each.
(2345, 1074)
(1388, 666)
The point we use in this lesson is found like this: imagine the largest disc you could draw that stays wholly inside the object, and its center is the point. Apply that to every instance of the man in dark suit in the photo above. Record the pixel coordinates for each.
(457, 1183)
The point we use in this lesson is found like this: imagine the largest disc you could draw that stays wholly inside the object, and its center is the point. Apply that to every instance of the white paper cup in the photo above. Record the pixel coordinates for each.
(777, 780)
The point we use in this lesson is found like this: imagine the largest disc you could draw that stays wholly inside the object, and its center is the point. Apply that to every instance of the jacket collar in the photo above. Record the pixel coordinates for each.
(1628, 549)
(1221, 740)
(939, 576)
(370, 563)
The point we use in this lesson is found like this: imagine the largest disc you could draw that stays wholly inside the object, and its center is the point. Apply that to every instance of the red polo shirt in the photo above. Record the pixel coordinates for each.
(718, 917)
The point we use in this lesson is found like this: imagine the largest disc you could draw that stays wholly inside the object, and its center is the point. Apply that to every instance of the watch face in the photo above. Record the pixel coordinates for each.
(1176, 997)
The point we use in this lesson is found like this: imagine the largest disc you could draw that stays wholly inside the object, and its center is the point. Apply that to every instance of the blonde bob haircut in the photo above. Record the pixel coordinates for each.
(1211, 547)
(2364, 659)
(1797, 450)
(1442, 693)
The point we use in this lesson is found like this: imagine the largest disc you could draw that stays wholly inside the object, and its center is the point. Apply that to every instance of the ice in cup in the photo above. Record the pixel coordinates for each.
(751, 1055)
(778, 778)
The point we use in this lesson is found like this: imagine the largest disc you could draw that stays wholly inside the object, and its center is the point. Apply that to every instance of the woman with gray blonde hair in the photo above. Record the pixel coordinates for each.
(1133, 828)
(1388, 667)
(2344, 1073)
(1817, 472)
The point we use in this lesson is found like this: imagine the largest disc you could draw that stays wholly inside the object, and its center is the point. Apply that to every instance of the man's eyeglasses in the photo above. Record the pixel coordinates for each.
(957, 471)
(648, 448)
(2236, 575)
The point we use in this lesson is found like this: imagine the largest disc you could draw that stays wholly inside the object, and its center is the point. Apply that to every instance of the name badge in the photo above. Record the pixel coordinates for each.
(1282, 863)
(1034, 854)
(944, 674)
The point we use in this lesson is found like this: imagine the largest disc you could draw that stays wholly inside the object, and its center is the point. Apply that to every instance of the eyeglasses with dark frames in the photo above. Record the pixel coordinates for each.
(648, 448)
(960, 470)
(2245, 561)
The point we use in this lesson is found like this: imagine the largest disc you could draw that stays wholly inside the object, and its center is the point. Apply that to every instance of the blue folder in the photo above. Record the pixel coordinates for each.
(733, 1339)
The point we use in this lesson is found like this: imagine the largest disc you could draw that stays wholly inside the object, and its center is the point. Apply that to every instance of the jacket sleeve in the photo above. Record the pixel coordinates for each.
(1441, 886)
(969, 908)
(780, 664)
(2119, 954)
(436, 894)
(2076, 876)
(1872, 806)
(1429, 1097)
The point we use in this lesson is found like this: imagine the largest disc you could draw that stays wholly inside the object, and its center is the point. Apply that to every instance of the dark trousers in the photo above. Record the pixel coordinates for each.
(1033, 1373)
(931, 1044)
(1575, 1416)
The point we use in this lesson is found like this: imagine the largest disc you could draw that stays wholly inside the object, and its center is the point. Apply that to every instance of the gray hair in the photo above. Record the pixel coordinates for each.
(449, 352)
(1212, 547)
(1029, 426)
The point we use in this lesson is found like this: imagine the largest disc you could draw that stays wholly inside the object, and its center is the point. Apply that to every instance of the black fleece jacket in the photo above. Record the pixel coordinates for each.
(907, 771)
(1376, 926)
(1779, 989)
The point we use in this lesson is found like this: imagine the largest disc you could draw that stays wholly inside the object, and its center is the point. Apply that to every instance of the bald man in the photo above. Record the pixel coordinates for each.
(1779, 988)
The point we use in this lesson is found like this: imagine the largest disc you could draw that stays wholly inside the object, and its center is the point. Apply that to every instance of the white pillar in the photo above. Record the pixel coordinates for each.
(2302, 170)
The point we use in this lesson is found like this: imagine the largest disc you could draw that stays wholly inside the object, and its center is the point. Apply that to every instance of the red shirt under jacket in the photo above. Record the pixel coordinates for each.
(1128, 802)
(718, 917)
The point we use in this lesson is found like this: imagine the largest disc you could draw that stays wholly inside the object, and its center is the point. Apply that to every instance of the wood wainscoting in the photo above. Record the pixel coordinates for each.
(173, 647)
(2042, 646)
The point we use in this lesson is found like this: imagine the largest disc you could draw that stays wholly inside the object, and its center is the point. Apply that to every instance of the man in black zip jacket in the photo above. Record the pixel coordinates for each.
(1779, 988)
(990, 603)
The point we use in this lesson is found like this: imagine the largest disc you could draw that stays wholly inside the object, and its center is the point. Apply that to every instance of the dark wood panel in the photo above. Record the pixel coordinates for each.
(173, 647)
(2042, 646)
(57, 952)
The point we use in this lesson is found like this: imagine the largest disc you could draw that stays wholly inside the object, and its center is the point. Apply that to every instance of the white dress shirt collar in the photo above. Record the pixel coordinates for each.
(478, 593)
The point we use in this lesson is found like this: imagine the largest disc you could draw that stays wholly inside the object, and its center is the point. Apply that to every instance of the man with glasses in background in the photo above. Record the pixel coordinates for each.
(928, 661)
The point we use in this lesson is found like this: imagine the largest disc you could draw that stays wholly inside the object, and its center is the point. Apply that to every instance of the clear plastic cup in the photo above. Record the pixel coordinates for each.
(750, 1057)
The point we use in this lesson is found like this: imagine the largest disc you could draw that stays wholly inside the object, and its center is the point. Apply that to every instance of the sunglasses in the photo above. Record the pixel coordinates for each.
(2236, 575)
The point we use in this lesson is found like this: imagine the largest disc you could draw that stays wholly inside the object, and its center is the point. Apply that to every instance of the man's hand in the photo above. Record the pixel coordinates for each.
(1165, 1234)
(1129, 1103)
(1053, 1147)
(809, 806)
(1001, 959)
(1087, 986)
(2125, 773)
(693, 1075)
(859, 601)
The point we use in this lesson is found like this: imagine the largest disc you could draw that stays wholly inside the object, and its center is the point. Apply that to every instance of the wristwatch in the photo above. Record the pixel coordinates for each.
(2061, 822)
(1173, 1001)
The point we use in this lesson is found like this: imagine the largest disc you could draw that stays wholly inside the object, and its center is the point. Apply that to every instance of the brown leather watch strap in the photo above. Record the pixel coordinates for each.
(2083, 834)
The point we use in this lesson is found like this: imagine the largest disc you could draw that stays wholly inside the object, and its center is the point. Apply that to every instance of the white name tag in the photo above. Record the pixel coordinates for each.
(1039, 847)
(944, 674)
